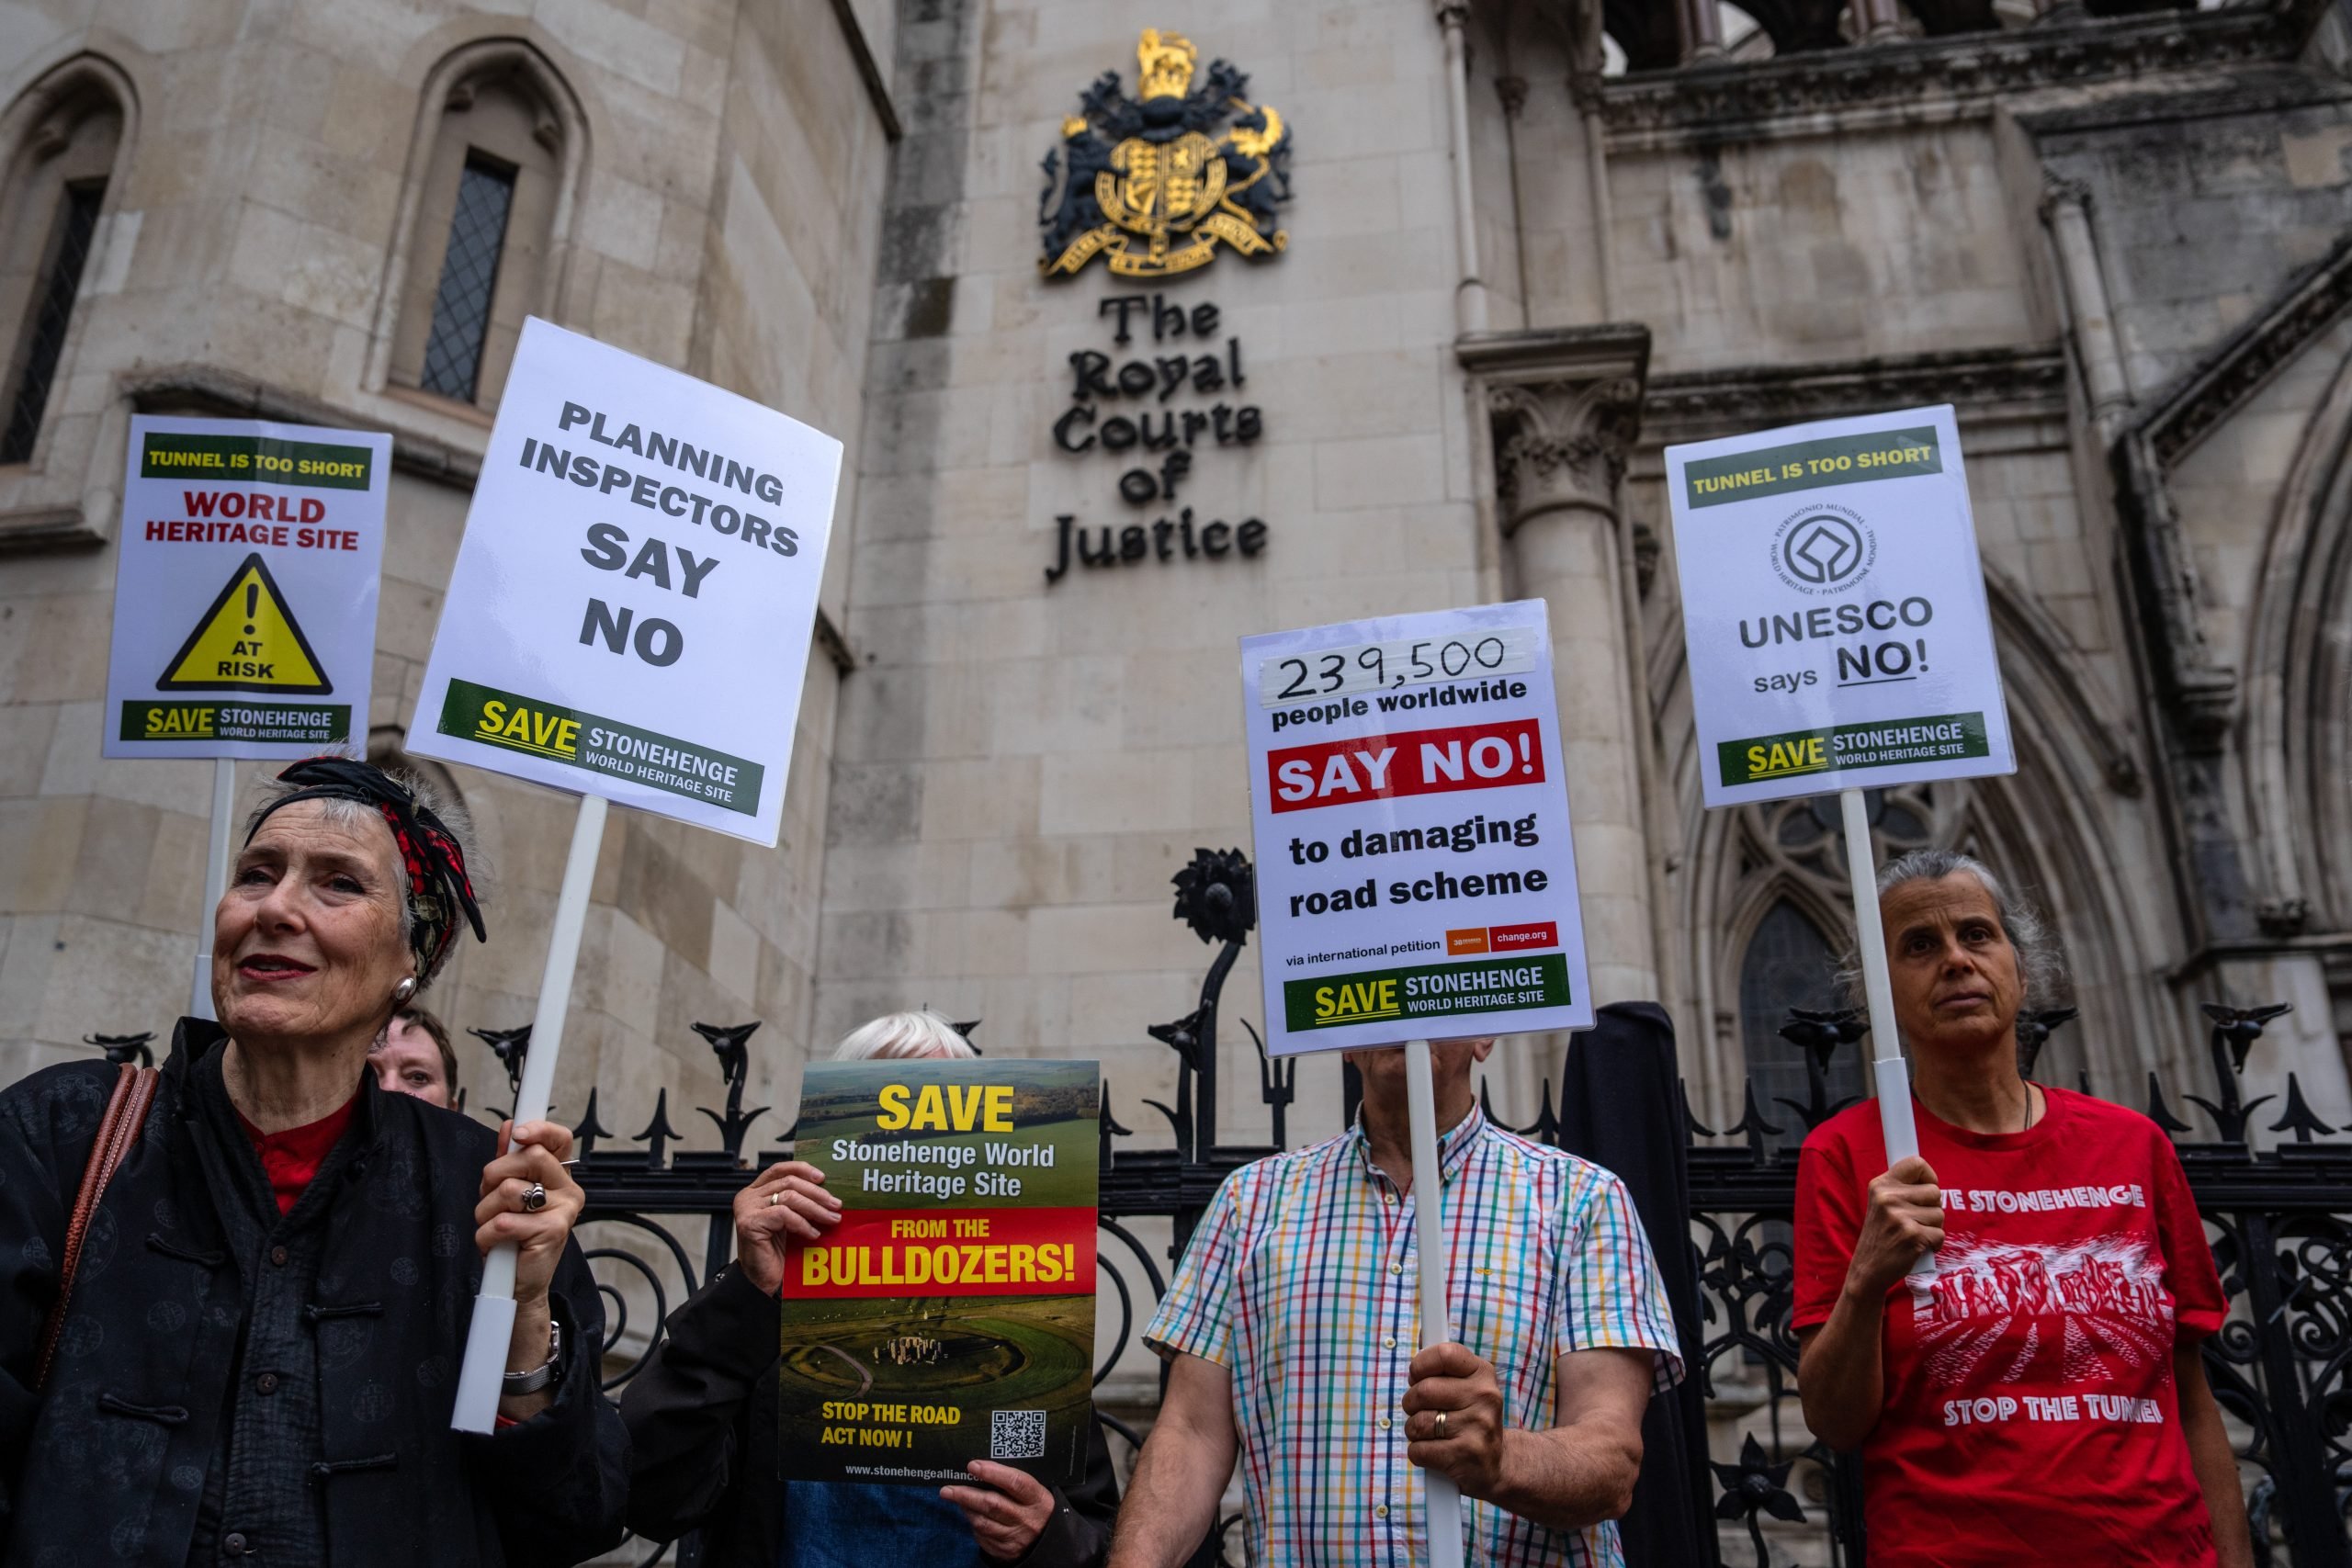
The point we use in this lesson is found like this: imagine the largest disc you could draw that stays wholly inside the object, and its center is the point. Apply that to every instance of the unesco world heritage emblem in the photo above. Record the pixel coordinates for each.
(1155, 182)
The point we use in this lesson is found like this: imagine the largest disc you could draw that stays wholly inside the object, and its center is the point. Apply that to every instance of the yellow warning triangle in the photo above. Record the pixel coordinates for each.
(248, 641)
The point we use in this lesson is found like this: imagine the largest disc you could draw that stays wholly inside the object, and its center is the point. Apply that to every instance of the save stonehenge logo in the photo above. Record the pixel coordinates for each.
(1824, 549)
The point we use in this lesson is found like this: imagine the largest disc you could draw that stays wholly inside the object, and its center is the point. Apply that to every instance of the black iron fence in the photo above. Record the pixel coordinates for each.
(2280, 1220)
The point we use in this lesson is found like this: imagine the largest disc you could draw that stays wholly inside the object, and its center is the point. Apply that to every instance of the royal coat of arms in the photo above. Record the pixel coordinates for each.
(1154, 183)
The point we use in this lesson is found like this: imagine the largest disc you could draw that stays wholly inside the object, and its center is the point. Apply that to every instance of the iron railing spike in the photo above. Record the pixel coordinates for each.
(2297, 1116)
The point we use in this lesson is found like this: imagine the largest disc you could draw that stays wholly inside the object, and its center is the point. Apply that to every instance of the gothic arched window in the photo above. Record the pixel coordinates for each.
(54, 190)
(1789, 962)
(483, 226)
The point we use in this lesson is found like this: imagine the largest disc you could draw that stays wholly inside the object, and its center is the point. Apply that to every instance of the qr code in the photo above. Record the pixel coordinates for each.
(1016, 1434)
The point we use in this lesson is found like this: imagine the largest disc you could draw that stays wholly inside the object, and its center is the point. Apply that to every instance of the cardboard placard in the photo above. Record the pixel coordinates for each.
(1833, 608)
(245, 583)
(633, 606)
(950, 1316)
(1416, 874)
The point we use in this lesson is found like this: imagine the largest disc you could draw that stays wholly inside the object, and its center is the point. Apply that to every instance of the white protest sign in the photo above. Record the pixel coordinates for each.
(245, 607)
(1416, 877)
(1833, 608)
(633, 604)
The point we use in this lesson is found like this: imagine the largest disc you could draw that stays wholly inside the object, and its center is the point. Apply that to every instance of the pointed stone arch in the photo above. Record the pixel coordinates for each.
(2050, 830)
(2298, 741)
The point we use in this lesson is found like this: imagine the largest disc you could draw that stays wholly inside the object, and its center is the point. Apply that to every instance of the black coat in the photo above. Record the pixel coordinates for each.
(703, 1417)
(284, 1380)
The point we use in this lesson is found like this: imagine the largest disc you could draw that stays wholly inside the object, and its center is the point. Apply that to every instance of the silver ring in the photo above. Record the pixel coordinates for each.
(535, 1198)
(774, 1198)
(1440, 1433)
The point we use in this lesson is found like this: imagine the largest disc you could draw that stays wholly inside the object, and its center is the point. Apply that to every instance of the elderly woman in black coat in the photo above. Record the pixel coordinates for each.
(255, 1356)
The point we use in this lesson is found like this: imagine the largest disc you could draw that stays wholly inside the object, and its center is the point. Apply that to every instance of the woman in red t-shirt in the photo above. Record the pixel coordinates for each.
(2044, 1401)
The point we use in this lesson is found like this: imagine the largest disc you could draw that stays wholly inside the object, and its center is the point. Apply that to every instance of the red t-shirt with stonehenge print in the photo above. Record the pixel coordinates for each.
(2030, 1413)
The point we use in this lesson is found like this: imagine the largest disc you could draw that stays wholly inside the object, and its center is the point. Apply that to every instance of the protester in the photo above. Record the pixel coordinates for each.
(258, 1356)
(2042, 1398)
(1290, 1331)
(702, 1414)
(414, 1057)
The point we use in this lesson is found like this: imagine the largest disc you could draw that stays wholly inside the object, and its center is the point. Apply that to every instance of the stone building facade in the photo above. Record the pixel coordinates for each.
(1523, 247)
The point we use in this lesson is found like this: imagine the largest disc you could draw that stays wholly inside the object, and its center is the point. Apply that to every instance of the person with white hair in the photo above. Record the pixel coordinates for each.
(702, 1412)
(2041, 1397)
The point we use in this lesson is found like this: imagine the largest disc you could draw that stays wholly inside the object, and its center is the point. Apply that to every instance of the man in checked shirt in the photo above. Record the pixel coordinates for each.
(1290, 1331)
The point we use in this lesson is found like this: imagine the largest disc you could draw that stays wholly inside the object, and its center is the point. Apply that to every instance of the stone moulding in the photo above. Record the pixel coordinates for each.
(2026, 381)
(1927, 80)
(2201, 692)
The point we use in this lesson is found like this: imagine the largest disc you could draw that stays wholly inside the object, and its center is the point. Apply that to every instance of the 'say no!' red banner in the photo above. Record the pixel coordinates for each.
(1421, 762)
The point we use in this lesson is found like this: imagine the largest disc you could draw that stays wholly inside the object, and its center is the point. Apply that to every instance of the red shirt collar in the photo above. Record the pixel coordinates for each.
(293, 1156)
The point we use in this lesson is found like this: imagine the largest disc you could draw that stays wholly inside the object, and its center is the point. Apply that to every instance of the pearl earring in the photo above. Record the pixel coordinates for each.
(401, 992)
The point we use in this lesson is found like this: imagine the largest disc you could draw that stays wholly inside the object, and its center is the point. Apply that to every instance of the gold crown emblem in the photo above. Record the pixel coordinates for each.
(1167, 64)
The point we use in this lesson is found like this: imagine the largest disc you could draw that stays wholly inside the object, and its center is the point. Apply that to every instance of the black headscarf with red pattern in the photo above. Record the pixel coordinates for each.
(438, 888)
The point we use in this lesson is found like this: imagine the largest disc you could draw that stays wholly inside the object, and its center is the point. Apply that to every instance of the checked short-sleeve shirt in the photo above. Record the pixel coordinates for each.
(1301, 1281)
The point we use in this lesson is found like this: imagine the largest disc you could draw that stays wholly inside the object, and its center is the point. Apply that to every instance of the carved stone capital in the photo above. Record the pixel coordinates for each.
(1563, 408)
(1512, 91)
(2058, 191)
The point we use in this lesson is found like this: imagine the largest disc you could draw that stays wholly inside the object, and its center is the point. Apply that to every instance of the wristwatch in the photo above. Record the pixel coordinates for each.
(538, 1376)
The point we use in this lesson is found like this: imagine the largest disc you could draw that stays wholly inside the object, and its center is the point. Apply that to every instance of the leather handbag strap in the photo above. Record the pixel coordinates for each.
(118, 1129)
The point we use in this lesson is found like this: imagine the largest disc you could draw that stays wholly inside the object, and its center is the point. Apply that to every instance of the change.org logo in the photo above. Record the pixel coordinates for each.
(1824, 549)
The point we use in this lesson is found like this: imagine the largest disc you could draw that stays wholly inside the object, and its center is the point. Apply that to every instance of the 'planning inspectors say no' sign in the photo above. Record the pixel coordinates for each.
(632, 606)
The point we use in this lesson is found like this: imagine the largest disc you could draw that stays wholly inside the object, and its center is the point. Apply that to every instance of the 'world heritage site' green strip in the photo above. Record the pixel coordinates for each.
(300, 724)
(1941, 738)
(578, 740)
(1428, 990)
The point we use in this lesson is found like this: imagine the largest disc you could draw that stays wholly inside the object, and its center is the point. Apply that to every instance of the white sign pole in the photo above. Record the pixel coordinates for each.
(1892, 1077)
(1437, 1327)
(479, 1382)
(216, 882)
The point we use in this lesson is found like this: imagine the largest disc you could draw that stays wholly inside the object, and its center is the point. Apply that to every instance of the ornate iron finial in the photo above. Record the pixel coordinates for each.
(121, 1048)
(1182, 1037)
(1753, 1487)
(2161, 1113)
(584, 1136)
(2239, 1028)
(2297, 1116)
(2033, 1034)
(1108, 1127)
(1691, 1126)
(510, 1046)
(1216, 895)
(1820, 1033)
(735, 1067)
(1277, 1086)
(659, 1134)
(1751, 1123)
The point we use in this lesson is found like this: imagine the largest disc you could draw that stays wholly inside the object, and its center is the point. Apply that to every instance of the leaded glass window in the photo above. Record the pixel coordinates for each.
(1788, 964)
(453, 350)
(52, 311)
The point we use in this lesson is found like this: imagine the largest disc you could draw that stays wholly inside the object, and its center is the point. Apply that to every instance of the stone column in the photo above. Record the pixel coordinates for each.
(1701, 27)
(1564, 407)
(2067, 208)
(1875, 21)
(1470, 293)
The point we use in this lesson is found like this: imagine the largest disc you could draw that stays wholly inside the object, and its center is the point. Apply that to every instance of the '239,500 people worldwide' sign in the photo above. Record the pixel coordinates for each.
(1416, 877)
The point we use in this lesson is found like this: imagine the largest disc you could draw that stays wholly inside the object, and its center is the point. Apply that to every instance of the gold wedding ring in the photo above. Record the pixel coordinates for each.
(774, 1198)
(1440, 1433)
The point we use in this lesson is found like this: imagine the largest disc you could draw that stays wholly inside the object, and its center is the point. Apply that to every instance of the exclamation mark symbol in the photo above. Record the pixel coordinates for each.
(1922, 646)
(1526, 753)
(253, 604)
